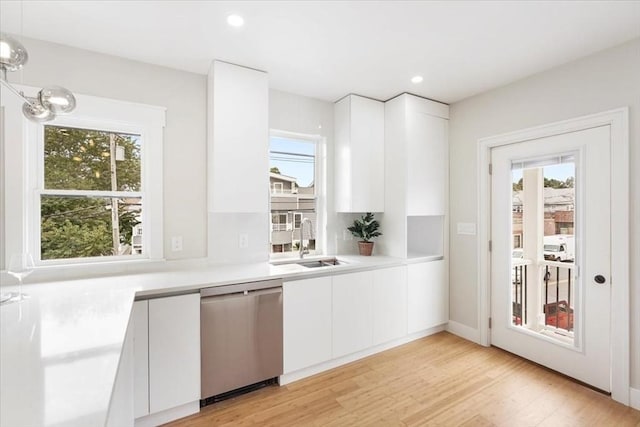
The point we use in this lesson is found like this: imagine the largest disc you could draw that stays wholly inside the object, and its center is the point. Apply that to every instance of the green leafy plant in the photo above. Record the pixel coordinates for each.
(365, 228)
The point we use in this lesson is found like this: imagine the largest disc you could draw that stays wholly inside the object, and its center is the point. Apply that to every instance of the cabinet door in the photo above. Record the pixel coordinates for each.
(174, 351)
(352, 313)
(428, 303)
(427, 164)
(140, 358)
(359, 154)
(238, 143)
(389, 304)
(307, 323)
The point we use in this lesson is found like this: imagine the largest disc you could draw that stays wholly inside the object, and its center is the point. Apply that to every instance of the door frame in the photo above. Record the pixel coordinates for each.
(618, 120)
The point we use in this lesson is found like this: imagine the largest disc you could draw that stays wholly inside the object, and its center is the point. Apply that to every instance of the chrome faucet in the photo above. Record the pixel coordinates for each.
(303, 251)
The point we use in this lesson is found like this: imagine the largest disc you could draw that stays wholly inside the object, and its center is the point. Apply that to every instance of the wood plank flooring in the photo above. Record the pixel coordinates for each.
(441, 380)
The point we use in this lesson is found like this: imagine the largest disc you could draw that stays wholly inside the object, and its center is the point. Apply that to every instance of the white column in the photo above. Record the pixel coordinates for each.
(533, 233)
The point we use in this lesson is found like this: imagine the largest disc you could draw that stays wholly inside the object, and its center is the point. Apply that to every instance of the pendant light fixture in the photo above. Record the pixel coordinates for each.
(50, 101)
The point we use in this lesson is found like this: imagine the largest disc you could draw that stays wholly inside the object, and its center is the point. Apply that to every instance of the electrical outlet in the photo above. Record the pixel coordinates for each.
(243, 240)
(176, 243)
(346, 235)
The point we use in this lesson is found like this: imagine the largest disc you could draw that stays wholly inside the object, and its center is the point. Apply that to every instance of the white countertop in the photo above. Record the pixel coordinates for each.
(60, 348)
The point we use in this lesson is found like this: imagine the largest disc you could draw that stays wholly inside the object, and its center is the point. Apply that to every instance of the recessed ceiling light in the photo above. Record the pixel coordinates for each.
(235, 20)
(416, 79)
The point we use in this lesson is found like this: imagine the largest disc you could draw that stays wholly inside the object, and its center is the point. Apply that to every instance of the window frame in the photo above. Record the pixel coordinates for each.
(274, 188)
(320, 171)
(91, 113)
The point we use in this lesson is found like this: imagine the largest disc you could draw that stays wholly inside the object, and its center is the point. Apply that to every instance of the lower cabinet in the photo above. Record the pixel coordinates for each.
(141, 358)
(327, 318)
(427, 295)
(172, 356)
(121, 407)
(389, 304)
(352, 312)
(307, 323)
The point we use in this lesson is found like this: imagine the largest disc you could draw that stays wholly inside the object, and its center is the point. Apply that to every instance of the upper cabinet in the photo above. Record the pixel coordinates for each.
(417, 153)
(359, 154)
(416, 177)
(238, 139)
(427, 163)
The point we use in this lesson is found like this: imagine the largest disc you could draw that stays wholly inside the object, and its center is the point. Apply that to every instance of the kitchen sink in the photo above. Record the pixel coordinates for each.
(313, 263)
(320, 263)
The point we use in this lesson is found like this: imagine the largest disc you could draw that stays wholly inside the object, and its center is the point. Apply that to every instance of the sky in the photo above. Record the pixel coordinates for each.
(299, 167)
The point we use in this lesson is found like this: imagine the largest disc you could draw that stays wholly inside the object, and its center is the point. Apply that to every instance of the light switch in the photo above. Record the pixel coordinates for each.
(243, 240)
(468, 228)
(176, 243)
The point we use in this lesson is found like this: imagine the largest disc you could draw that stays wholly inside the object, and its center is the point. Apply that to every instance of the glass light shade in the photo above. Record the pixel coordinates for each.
(13, 55)
(36, 112)
(57, 99)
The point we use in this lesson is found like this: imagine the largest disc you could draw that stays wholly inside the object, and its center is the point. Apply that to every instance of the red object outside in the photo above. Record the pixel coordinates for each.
(559, 314)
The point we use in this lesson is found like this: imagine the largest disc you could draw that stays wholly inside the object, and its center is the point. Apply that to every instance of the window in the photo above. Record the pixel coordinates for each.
(293, 162)
(92, 181)
(91, 200)
(276, 187)
(279, 222)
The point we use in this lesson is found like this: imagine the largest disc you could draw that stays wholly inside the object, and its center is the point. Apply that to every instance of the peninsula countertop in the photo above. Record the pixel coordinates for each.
(60, 347)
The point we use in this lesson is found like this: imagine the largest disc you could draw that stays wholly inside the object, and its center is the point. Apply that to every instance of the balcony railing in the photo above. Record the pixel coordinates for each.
(558, 281)
(281, 227)
(556, 294)
(519, 298)
(276, 191)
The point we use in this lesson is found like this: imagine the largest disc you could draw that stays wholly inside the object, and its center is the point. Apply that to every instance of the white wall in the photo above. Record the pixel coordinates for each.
(184, 96)
(604, 81)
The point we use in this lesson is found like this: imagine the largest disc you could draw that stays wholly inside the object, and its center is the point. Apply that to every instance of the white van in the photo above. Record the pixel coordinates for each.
(559, 247)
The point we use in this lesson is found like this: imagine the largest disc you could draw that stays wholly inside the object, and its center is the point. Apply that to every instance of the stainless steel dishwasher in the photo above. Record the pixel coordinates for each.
(241, 336)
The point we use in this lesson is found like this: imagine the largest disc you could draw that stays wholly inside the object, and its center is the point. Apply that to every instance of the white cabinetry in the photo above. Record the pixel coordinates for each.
(428, 298)
(427, 163)
(352, 313)
(166, 346)
(121, 407)
(329, 321)
(174, 351)
(140, 318)
(389, 304)
(307, 323)
(238, 139)
(416, 177)
(359, 154)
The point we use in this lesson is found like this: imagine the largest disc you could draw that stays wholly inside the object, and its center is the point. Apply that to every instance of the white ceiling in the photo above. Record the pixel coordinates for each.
(326, 49)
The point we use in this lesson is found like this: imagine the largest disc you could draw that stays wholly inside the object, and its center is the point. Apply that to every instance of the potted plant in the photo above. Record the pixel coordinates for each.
(365, 228)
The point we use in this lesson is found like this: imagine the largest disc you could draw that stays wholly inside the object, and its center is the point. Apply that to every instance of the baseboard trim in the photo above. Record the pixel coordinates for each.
(163, 417)
(464, 331)
(334, 363)
(634, 398)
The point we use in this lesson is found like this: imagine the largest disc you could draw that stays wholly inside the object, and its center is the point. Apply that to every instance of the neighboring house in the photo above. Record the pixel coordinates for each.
(136, 238)
(290, 204)
(559, 205)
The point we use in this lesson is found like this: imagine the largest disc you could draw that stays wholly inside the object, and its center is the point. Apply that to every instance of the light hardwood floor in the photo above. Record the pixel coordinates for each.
(441, 380)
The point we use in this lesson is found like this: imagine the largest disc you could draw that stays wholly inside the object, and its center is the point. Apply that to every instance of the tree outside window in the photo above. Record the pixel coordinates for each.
(91, 201)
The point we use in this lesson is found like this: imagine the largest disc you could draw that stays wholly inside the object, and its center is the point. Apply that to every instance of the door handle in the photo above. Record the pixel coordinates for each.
(599, 279)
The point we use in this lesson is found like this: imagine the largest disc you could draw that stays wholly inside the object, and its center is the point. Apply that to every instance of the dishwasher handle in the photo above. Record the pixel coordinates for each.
(221, 297)
(240, 288)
